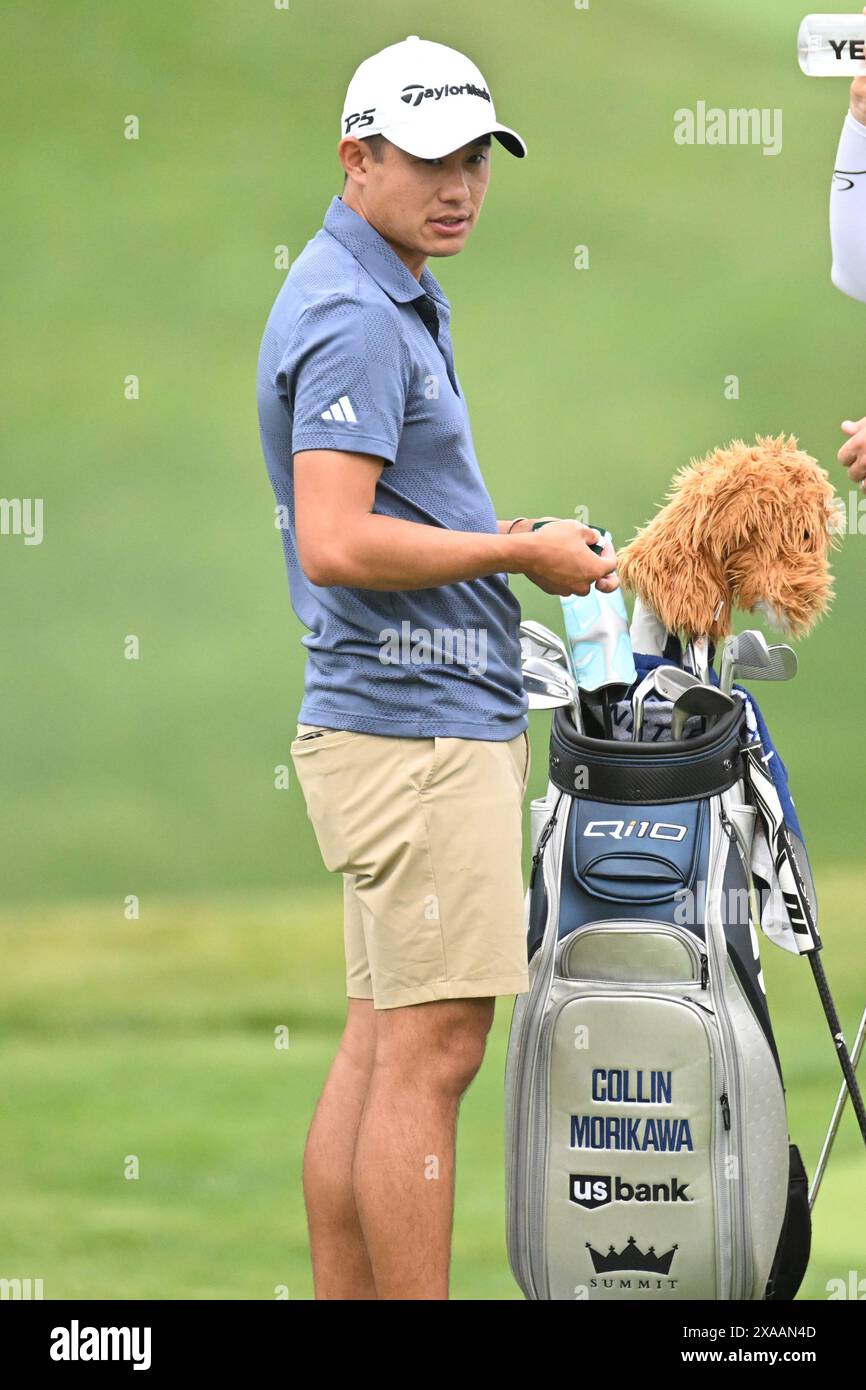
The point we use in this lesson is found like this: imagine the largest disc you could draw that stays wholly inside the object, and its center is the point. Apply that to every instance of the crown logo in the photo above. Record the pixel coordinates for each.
(631, 1257)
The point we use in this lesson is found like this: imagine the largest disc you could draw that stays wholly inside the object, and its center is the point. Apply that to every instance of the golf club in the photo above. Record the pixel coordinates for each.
(705, 700)
(608, 695)
(667, 681)
(698, 656)
(538, 640)
(548, 685)
(545, 685)
(837, 1114)
(742, 650)
(783, 666)
(800, 910)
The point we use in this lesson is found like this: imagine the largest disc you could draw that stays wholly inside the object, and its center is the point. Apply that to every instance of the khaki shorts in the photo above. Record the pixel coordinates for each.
(427, 833)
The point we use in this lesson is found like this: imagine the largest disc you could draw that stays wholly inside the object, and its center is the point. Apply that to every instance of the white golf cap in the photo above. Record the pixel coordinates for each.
(426, 98)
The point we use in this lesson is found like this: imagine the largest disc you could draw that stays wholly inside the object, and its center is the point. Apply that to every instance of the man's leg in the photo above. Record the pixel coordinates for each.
(430, 829)
(425, 1057)
(341, 1265)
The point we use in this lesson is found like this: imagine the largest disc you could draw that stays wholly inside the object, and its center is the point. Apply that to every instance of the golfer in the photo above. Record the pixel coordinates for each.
(412, 749)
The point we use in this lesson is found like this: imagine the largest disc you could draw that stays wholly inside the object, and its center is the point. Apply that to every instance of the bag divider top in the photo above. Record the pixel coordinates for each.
(599, 769)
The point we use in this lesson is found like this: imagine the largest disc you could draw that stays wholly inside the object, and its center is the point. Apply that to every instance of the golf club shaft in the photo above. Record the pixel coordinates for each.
(809, 926)
(837, 1114)
(838, 1039)
(700, 654)
(577, 713)
(606, 715)
(726, 674)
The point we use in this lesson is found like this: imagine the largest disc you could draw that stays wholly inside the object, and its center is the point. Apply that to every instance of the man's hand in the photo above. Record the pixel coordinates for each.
(858, 97)
(560, 562)
(852, 455)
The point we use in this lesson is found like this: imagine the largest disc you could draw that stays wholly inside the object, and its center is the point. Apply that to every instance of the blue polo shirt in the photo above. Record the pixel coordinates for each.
(357, 356)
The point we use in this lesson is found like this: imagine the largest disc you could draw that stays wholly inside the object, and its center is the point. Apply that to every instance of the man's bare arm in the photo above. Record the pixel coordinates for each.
(341, 541)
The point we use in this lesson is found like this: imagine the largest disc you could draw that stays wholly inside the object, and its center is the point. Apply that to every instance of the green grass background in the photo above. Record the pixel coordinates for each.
(155, 777)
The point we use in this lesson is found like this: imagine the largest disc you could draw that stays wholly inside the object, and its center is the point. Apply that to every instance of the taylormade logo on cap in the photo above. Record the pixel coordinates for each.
(424, 97)
(415, 94)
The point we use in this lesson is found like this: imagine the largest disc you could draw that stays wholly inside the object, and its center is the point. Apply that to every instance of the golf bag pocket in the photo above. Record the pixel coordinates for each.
(632, 953)
(648, 856)
(634, 1153)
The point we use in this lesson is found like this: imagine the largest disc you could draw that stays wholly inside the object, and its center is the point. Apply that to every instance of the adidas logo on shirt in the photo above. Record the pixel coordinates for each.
(341, 410)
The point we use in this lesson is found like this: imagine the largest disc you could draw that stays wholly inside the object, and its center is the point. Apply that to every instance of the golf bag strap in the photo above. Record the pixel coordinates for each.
(795, 891)
(547, 831)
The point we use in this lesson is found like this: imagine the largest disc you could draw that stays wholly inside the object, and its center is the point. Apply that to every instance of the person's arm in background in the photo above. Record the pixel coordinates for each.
(852, 455)
(848, 241)
(848, 199)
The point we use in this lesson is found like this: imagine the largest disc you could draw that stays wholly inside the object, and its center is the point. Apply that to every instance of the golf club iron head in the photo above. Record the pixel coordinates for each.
(700, 699)
(548, 685)
(783, 666)
(539, 641)
(741, 650)
(669, 682)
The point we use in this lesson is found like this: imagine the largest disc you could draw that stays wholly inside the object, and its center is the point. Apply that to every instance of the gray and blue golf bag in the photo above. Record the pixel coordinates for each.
(648, 1154)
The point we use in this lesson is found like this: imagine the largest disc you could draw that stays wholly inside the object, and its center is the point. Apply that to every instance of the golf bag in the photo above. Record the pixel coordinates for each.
(647, 1147)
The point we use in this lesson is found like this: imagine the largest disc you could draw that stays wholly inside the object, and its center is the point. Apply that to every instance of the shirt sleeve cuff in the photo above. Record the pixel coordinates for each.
(841, 280)
(350, 444)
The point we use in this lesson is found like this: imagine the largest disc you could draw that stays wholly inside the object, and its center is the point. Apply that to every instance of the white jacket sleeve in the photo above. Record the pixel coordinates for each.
(848, 211)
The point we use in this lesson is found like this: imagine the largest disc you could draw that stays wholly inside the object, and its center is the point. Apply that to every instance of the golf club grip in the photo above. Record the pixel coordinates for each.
(597, 548)
(838, 1040)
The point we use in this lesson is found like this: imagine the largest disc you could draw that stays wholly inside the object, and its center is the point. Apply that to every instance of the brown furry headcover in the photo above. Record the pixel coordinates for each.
(750, 525)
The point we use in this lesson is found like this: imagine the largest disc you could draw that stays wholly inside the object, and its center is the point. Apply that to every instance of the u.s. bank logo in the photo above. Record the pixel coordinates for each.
(592, 1190)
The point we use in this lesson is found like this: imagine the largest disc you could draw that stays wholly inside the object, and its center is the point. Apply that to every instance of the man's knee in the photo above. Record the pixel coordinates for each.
(358, 1043)
(439, 1045)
